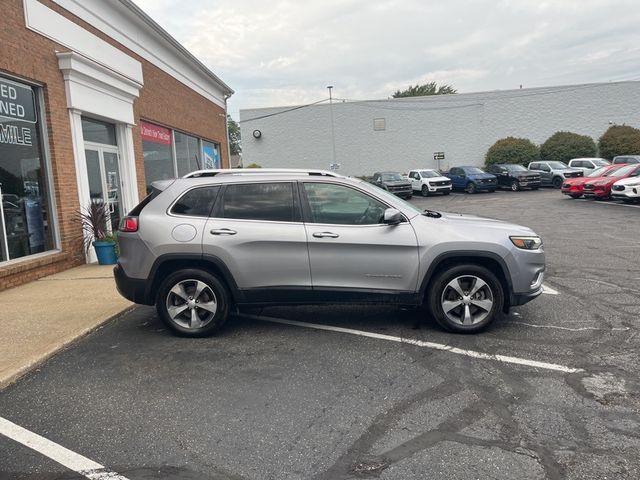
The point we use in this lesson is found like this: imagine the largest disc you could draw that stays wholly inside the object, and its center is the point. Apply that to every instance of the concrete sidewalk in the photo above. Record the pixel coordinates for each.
(42, 317)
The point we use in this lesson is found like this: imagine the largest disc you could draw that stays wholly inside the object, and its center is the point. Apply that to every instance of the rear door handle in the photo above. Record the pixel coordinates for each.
(325, 235)
(223, 231)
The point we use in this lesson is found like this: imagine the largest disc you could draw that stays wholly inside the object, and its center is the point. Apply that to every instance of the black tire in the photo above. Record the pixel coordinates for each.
(408, 197)
(425, 191)
(557, 182)
(492, 190)
(575, 195)
(471, 187)
(515, 186)
(535, 188)
(217, 294)
(439, 285)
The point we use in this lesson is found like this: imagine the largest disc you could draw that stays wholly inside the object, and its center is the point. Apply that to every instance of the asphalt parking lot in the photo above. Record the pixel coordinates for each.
(549, 391)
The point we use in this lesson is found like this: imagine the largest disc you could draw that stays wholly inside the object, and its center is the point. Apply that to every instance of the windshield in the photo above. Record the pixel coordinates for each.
(600, 172)
(558, 165)
(621, 172)
(472, 171)
(428, 174)
(515, 168)
(391, 177)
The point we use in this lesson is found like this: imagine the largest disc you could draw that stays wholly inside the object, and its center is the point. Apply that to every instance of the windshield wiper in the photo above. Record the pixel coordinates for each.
(431, 213)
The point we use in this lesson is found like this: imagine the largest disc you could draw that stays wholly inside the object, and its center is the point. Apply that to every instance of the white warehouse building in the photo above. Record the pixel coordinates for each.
(404, 133)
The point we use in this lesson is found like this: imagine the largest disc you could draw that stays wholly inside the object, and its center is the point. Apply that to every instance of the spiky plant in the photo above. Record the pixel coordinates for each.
(93, 219)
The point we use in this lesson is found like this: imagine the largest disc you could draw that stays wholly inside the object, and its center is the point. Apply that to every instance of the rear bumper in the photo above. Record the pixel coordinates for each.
(133, 289)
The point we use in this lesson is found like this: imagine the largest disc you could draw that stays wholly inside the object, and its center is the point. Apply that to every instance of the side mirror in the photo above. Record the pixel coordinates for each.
(392, 216)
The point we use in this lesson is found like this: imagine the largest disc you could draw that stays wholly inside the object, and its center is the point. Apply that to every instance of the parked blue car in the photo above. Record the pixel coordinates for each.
(472, 179)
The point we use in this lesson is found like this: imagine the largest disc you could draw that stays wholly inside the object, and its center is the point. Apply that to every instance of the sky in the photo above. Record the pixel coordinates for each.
(281, 52)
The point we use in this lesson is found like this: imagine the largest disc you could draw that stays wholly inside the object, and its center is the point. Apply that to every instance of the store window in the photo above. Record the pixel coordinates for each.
(188, 155)
(25, 216)
(169, 154)
(211, 155)
(157, 152)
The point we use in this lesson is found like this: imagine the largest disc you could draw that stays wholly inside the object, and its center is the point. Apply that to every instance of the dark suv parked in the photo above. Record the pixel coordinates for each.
(394, 183)
(515, 177)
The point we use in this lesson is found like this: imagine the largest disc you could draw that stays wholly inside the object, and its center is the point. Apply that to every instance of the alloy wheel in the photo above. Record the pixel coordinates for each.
(467, 300)
(191, 304)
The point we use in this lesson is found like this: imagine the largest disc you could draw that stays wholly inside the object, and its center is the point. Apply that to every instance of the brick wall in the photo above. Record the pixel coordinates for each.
(163, 99)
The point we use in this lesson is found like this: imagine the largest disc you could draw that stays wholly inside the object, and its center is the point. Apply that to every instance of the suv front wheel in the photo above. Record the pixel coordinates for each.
(193, 303)
(465, 298)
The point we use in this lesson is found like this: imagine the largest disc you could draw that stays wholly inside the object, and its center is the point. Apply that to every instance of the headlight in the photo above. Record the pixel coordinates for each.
(527, 243)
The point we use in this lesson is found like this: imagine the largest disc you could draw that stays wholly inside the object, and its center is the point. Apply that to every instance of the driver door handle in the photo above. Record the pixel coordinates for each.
(325, 235)
(223, 231)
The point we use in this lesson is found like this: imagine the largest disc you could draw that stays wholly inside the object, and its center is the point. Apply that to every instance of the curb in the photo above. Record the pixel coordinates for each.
(45, 356)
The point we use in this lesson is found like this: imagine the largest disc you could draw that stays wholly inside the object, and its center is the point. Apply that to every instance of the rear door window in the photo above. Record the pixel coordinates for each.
(274, 202)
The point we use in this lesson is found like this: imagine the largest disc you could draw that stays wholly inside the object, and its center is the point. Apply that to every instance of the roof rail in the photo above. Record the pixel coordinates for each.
(253, 171)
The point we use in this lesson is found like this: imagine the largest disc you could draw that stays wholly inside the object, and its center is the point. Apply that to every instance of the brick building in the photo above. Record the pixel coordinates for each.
(96, 102)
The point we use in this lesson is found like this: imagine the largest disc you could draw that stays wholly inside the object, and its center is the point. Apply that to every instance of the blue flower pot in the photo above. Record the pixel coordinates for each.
(106, 252)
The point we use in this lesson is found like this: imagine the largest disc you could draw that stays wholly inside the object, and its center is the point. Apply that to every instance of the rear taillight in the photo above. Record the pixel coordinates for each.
(129, 224)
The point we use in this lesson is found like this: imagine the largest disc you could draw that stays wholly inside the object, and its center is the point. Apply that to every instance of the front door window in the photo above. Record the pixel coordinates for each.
(103, 172)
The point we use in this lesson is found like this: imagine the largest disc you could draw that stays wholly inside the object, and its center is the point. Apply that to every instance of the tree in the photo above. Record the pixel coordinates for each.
(430, 88)
(619, 140)
(512, 150)
(563, 146)
(235, 145)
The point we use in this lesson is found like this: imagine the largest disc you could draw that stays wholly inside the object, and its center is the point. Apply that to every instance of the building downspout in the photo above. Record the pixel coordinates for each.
(226, 124)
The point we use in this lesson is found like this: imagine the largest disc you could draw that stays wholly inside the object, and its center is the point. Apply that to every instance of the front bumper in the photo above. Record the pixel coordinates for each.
(442, 188)
(133, 289)
(518, 299)
(628, 192)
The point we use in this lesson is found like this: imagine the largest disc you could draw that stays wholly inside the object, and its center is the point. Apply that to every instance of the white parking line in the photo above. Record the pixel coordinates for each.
(608, 203)
(71, 460)
(549, 291)
(421, 343)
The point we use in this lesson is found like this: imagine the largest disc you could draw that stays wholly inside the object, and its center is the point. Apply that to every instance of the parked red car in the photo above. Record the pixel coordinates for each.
(574, 186)
(601, 187)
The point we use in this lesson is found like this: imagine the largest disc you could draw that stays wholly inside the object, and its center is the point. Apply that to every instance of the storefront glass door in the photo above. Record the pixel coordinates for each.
(105, 187)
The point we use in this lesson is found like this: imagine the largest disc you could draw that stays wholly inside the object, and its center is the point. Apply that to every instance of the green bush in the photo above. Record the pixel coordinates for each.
(512, 150)
(563, 146)
(619, 140)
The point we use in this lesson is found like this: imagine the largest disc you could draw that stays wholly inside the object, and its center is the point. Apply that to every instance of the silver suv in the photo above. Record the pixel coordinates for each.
(219, 240)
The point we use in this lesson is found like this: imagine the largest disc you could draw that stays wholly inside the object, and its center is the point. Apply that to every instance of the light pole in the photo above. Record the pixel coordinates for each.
(333, 133)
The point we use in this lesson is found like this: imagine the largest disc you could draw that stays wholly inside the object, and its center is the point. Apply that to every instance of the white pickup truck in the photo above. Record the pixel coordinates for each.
(429, 181)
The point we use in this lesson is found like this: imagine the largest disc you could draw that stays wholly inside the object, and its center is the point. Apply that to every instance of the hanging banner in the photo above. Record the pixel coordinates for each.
(155, 133)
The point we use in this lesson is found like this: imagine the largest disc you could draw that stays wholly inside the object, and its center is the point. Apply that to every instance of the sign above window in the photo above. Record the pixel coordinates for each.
(155, 133)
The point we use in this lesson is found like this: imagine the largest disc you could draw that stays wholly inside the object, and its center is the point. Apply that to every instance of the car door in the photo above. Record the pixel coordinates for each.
(415, 179)
(501, 174)
(256, 230)
(351, 250)
(454, 174)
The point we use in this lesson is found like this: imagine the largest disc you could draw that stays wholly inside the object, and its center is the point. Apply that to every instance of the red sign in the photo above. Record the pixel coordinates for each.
(154, 133)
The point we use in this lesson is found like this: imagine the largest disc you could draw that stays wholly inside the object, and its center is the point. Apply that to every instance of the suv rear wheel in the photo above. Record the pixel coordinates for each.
(465, 298)
(193, 303)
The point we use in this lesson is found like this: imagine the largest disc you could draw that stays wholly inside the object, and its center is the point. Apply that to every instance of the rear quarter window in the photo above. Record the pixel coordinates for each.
(197, 202)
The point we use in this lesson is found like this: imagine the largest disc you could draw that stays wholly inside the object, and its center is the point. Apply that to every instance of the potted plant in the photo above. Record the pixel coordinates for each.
(94, 227)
